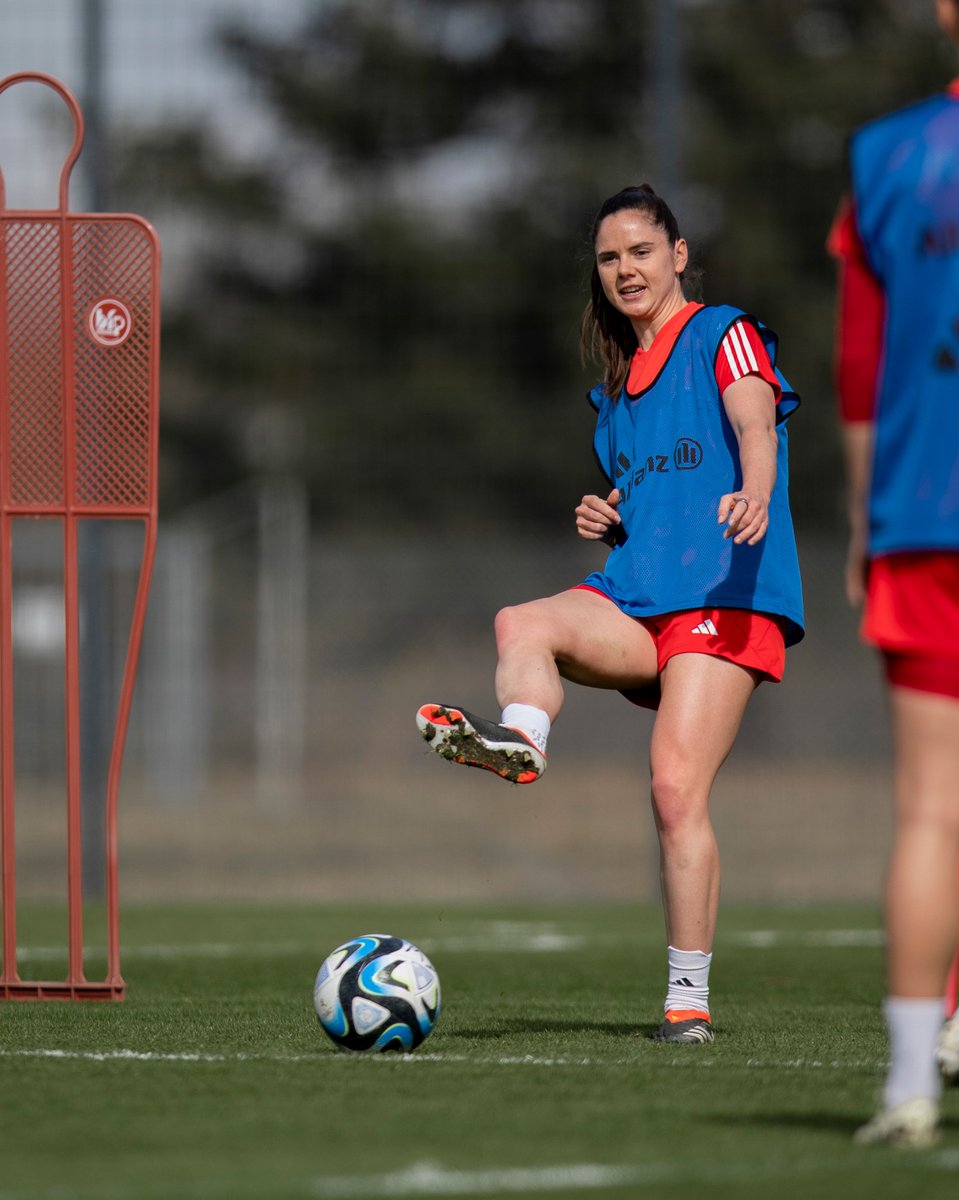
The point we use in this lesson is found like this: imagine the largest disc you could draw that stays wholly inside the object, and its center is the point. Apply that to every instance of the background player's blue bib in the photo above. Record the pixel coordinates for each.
(672, 453)
(905, 170)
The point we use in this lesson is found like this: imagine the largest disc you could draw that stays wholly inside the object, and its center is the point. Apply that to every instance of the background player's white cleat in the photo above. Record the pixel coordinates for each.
(912, 1125)
(947, 1051)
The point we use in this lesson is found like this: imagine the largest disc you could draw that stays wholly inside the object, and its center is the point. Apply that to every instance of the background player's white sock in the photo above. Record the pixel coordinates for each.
(913, 1031)
(529, 720)
(688, 979)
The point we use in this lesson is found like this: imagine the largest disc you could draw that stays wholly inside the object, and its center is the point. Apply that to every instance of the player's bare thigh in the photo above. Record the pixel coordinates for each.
(593, 642)
(926, 729)
(703, 702)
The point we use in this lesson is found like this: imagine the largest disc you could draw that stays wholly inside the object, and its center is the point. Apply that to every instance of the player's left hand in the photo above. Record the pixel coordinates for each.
(745, 515)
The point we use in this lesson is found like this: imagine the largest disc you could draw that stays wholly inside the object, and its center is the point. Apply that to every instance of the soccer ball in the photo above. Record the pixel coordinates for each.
(377, 992)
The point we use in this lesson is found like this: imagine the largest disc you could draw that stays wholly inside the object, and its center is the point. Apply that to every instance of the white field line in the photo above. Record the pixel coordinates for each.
(759, 939)
(430, 1179)
(503, 937)
(325, 1058)
(170, 950)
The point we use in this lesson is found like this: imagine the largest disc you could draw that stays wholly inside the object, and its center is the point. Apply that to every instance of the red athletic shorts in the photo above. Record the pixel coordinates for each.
(912, 616)
(751, 639)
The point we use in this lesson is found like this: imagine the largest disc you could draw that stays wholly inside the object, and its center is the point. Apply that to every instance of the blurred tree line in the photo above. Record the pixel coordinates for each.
(386, 299)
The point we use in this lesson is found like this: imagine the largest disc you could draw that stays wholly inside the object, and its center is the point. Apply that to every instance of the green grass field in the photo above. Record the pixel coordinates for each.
(213, 1079)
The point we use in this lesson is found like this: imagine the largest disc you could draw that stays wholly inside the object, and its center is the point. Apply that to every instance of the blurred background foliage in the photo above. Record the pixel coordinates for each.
(374, 217)
(386, 302)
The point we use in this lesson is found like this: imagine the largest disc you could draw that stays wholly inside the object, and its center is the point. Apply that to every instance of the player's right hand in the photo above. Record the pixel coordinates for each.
(596, 518)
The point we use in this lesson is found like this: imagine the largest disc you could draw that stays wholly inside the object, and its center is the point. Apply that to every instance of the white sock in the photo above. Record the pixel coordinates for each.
(688, 980)
(913, 1031)
(529, 720)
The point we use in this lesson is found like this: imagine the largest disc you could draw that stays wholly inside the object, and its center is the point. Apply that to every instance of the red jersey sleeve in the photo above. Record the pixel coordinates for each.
(742, 352)
(860, 318)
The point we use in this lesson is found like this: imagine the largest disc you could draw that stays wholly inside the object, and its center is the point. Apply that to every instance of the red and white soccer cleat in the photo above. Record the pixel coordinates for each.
(459, 737)
(685, 1025)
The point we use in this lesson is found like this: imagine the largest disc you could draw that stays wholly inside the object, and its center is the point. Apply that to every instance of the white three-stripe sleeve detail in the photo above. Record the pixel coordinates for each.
(739, 329)
(733, 365)
(743, 347)
(734, 342)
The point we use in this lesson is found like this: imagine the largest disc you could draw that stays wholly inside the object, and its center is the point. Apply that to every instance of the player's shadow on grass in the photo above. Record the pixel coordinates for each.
(841, 1123)
(529, 1025)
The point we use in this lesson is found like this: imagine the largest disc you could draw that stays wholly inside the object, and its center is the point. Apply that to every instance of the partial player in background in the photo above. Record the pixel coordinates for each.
(897, 242)
(700, 594)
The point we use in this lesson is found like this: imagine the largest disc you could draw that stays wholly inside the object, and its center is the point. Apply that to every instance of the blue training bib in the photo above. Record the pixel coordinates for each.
(905, 170)
(672, 453)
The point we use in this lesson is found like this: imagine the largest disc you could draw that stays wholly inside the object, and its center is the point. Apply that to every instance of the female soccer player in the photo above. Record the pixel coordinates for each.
(700, 593)
(897, 240)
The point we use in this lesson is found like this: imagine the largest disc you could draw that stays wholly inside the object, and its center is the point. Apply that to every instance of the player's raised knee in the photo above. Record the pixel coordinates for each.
(518, 622)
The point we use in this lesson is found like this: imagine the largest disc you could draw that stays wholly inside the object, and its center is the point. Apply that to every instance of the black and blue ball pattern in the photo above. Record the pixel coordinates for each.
(377, 992)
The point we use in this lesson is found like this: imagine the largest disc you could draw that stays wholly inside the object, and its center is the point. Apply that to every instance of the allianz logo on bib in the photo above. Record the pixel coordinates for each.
(109, 322)
(687, 454)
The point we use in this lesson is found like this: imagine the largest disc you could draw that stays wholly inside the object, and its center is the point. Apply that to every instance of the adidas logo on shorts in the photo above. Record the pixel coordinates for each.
(706, 627)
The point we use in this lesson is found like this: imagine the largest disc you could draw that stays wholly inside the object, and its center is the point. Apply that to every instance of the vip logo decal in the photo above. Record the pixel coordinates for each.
(109, 322)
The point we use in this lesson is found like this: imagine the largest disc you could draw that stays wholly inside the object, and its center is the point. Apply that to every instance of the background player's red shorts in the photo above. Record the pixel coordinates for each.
(751, 639)
(912, 616)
